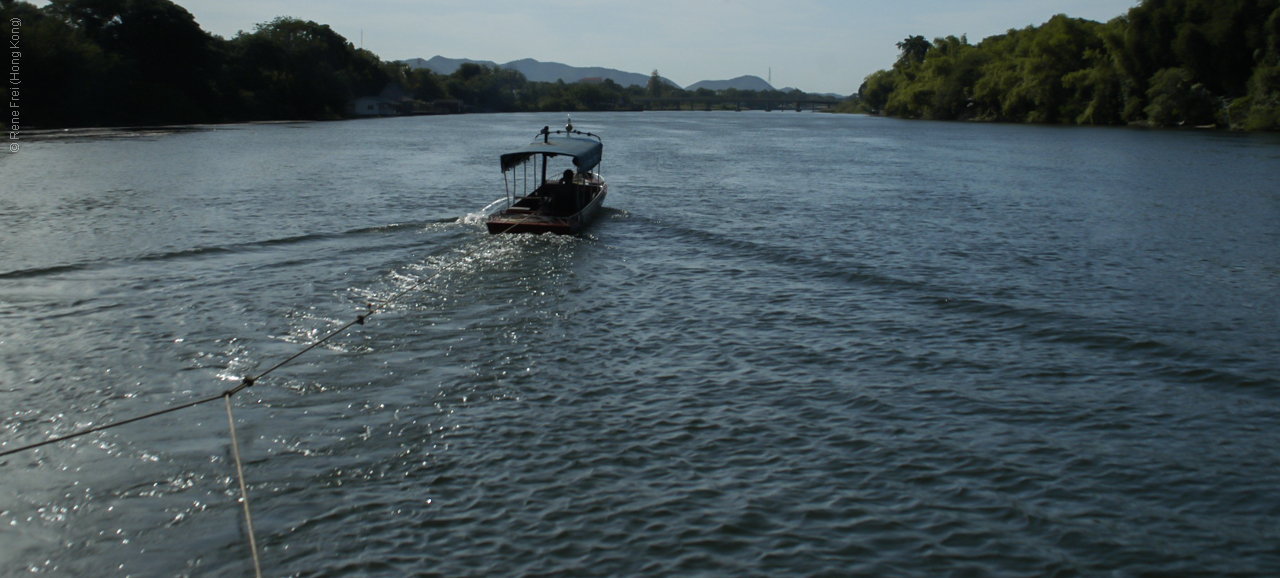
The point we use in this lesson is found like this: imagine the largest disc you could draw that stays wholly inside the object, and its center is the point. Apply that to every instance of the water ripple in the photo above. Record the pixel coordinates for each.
(903, 365)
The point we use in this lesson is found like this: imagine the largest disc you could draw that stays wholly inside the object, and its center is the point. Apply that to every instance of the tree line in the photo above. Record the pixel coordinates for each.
(129, 62)
(1164, 63)
(147, 62)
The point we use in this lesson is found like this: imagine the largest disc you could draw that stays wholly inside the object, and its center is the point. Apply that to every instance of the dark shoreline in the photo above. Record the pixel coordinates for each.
(69, 133)
(143, 131)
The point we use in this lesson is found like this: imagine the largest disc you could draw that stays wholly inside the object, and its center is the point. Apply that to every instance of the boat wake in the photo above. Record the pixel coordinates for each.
(477, 218)
(199, 252)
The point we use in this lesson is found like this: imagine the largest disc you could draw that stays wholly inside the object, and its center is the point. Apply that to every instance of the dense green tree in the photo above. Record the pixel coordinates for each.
(947, 77)
(1260, 108)
(426, 85)
(1175, 99)
(913, 50)
(58, 62)
(1099, 89)
(164, 66)
(876, 89)
(292, 68)
(1165, 62)
(656, 86)
(488, 88)
(1213, 40)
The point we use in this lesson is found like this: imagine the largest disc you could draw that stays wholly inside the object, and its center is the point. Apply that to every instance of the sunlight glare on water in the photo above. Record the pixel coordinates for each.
(793, 345)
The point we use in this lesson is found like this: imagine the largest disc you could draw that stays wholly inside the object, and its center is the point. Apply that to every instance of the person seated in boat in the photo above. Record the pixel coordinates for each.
(567, 179)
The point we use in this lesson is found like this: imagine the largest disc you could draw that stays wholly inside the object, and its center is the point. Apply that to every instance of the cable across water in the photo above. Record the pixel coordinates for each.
(245, 383)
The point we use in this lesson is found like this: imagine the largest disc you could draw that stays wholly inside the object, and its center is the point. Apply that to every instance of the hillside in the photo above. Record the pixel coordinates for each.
(537, 71)
(740, 83)
(442, 65)
(552, 71)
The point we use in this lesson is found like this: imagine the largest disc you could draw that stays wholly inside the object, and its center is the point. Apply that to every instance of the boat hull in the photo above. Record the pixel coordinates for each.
(510, 221)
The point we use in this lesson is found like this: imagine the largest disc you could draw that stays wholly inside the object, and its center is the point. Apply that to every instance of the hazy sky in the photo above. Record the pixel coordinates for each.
(813, 45)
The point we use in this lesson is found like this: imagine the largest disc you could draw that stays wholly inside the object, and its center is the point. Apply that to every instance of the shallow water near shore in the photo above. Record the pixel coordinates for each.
(793, 345)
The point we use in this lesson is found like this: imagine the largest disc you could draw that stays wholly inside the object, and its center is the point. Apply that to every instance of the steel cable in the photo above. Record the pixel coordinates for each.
(245, 383)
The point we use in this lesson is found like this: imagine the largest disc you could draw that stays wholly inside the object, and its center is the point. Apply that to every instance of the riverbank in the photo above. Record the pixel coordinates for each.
(55, 134)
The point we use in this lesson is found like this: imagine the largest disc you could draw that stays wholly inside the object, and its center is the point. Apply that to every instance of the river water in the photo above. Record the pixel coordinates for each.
(794, 345)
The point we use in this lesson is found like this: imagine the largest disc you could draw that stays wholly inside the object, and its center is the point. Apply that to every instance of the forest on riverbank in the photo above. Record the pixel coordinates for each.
(94, 63)
(1164, 63)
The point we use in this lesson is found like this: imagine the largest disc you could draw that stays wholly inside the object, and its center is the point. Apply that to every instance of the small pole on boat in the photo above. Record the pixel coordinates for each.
(546, 138)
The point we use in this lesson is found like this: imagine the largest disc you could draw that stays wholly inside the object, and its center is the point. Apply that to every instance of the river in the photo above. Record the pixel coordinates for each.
(795, 344)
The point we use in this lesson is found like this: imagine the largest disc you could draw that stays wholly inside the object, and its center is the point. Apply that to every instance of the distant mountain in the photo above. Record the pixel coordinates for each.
(553, 71)
(741, 83)
(442, 65)
(538, 71)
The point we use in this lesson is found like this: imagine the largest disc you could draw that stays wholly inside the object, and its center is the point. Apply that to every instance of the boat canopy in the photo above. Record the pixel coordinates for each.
(585, 152)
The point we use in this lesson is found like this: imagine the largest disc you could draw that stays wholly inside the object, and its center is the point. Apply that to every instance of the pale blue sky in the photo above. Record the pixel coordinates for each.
(813, 45)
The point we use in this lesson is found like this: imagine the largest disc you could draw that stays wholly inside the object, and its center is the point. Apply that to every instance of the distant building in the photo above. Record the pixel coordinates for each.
(373, 106)
(393, 100)
(397, 93)
(446, 106)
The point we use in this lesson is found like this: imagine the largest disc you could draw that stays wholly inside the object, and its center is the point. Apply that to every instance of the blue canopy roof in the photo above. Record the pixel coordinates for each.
(584, 151)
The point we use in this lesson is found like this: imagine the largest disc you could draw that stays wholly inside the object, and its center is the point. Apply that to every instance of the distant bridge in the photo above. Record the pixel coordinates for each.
(755, 103)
